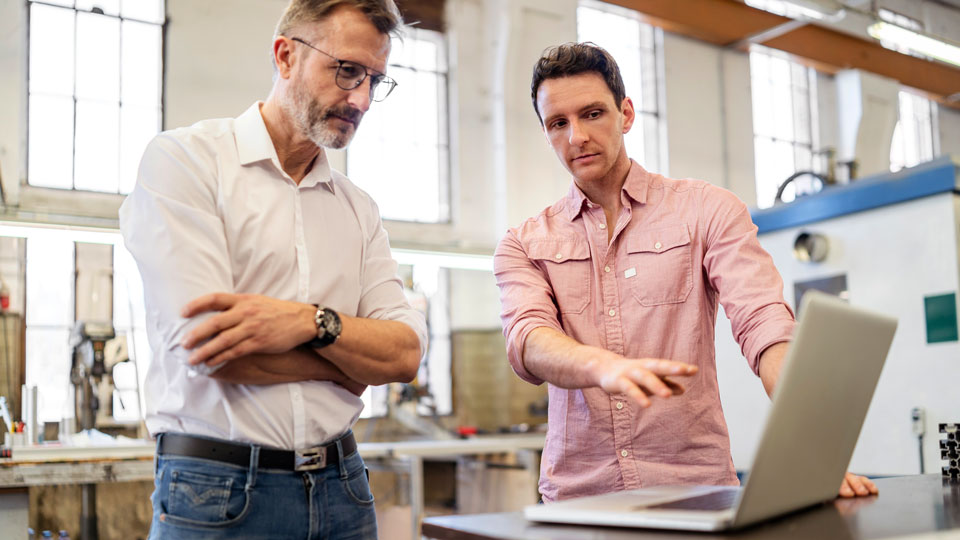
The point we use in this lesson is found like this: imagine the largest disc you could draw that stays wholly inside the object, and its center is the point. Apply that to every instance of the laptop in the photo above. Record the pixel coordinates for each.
(825, 388)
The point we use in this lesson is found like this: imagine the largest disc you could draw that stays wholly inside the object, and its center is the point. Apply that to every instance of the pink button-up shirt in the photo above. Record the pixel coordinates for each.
(679, 247)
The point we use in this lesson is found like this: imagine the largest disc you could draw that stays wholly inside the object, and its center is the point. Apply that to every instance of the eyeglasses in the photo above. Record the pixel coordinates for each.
(351, 75)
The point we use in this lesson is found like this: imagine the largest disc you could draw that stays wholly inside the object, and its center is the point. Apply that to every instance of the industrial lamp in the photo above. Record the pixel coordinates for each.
(917, 42)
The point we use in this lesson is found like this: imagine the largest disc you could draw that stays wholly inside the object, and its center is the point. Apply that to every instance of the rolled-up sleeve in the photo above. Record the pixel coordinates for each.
(742, 272)
(526, 298)
(381, 295)
(171, 226)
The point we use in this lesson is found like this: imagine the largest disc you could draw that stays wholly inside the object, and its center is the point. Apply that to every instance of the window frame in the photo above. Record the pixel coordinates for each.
(934, 129)
(656, 88)
(64, 201)
(445, 142)
(810, 104)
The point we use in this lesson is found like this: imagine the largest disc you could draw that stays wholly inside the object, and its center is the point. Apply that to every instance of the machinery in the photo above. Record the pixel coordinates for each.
(91, 373)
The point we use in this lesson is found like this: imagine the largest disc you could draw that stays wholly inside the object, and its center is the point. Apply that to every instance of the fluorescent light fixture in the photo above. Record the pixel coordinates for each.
(819, 10)
(916, 42)
(76, 234)
(442, 259)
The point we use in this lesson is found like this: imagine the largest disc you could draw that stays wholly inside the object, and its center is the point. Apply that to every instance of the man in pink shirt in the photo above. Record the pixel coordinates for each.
(623, 273)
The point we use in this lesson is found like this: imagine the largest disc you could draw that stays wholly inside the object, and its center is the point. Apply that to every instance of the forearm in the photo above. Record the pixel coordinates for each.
(293, 366)
(771, 362)
(375, 352)
(561, 360)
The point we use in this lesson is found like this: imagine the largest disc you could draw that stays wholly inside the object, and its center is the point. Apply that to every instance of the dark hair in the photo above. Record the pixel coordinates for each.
(573, 59)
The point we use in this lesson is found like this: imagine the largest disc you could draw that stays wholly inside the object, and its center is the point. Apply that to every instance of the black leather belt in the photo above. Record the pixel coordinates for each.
(318, 457)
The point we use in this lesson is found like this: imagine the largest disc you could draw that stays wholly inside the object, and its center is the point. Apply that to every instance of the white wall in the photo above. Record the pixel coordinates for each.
(891, 262)
(949, 124)
(216, 57)
(12, 94)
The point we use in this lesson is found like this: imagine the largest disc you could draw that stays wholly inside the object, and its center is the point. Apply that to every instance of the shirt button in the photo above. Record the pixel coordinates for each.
(658, 245)
(623, 453)
(603, 225)
(612, 312)
(606, 269)
(619, 405)
(559, 255)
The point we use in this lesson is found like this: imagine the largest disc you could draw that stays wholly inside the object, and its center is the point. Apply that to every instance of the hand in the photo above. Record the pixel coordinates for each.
(857, 486)
(353, 386)
(246, 324)
(639, 378)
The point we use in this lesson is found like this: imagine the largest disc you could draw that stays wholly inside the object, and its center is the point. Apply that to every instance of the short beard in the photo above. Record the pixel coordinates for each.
(312, 120)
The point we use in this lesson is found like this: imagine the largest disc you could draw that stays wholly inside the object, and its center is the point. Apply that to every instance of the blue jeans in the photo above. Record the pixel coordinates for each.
(200, 498)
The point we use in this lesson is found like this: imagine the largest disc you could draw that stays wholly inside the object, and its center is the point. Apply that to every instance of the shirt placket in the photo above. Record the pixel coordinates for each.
(303, 294)
(620, 410)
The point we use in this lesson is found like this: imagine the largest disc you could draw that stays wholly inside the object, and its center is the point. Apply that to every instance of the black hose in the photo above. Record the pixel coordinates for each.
(794, 176)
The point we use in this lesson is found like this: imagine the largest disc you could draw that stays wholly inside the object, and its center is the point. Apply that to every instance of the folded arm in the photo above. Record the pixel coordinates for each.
(171, 225)
(294, 366)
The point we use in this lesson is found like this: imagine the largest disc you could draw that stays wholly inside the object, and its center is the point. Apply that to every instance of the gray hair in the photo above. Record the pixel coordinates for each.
(383, 14)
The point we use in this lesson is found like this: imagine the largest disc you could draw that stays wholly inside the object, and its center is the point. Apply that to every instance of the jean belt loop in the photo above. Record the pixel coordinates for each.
(156, 456)
(342, 463)
(254, 461)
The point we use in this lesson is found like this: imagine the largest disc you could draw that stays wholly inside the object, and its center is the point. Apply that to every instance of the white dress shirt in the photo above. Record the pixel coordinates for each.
(213, 211)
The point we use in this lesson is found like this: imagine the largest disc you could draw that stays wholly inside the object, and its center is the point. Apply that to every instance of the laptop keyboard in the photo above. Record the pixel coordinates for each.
(716, 500)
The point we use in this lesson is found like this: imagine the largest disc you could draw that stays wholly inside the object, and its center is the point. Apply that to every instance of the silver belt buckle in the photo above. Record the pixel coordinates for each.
(310, 459)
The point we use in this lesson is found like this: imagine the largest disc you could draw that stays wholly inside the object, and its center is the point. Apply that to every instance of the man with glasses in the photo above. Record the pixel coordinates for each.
(272, 298)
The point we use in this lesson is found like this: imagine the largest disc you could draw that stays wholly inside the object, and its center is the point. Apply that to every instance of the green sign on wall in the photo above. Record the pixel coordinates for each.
(941, 313)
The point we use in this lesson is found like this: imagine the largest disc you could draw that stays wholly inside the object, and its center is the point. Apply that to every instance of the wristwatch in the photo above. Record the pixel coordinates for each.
(328, 327)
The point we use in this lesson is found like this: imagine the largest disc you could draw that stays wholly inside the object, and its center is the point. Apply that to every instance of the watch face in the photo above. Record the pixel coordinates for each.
(331, 323)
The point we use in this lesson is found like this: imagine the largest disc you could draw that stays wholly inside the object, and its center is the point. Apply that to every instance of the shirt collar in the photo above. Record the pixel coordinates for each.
(254, 144)
(635, 187)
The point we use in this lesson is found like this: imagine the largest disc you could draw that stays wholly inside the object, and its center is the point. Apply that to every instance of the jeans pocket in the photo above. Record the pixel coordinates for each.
(200, 499)
(358, 488)
(356, 484)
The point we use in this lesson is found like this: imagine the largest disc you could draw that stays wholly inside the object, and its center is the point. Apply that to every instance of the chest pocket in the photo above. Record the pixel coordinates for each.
(568, 268)
(664, 265)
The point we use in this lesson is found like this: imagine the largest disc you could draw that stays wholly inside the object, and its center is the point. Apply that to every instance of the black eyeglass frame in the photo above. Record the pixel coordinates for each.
(376, 78)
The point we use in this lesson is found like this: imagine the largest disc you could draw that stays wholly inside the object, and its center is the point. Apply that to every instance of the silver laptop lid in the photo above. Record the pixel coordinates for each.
(824, 390)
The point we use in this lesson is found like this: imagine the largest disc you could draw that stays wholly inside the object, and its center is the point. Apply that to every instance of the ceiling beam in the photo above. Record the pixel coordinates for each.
(731, 23)
(840, 51)
(720, 22)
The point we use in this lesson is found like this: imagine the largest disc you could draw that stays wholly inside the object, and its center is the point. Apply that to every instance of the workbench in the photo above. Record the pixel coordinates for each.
(65, 466)
(135, 463)
(906, 506)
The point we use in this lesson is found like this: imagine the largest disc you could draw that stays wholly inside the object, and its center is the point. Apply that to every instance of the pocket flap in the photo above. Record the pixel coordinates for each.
(658, 240)
(558, 250)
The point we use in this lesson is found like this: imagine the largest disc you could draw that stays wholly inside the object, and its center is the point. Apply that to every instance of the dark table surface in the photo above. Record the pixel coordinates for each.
(906, 505)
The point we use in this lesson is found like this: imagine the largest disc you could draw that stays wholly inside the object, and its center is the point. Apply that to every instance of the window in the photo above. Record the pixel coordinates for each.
(784, 123)
(914, 137)
(52, 258)
(94, 91)
(427, 286)
(401, 156)
(634, 46)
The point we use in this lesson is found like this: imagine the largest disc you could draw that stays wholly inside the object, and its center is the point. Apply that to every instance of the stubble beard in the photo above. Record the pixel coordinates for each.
(314, 121)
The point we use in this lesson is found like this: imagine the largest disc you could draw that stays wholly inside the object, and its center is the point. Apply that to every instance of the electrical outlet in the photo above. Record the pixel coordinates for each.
(918, 420)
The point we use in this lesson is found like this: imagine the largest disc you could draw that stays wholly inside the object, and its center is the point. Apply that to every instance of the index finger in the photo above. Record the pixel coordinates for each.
(209, 302)
(668, 367)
